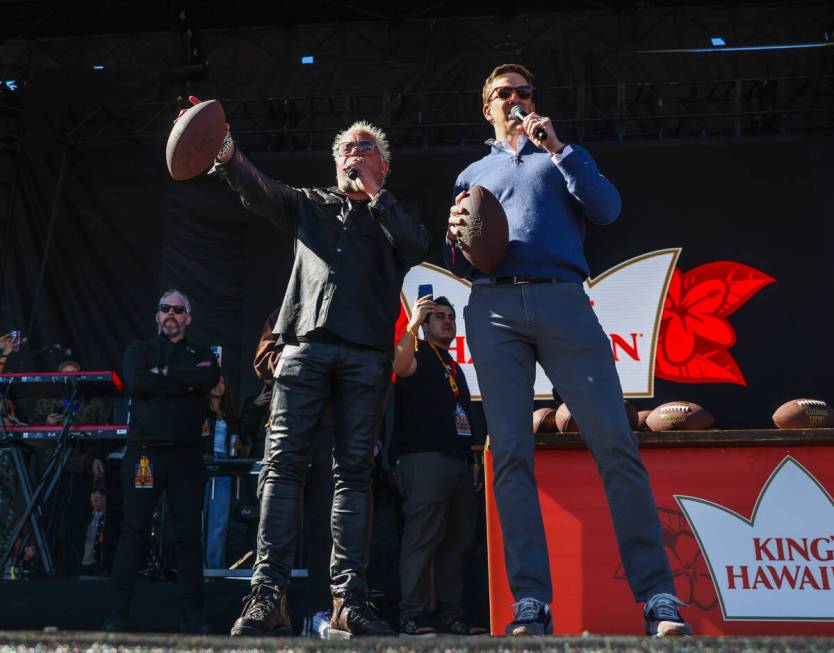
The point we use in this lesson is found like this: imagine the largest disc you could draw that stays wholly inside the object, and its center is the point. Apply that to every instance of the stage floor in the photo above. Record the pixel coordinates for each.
(86, 642)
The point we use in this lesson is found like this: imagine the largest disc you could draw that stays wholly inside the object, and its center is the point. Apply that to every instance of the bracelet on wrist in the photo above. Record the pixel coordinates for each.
(416, 339)
(226, 148)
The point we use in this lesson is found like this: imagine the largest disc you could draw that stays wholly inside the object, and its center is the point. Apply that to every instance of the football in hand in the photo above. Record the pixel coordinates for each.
(195, 140)
(485, 235)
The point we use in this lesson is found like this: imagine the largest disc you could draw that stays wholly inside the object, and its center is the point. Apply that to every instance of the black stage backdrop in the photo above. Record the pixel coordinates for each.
(123, 232)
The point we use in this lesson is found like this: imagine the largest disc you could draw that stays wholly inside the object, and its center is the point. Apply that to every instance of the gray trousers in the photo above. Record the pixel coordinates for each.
(510, 328)
(438, 534)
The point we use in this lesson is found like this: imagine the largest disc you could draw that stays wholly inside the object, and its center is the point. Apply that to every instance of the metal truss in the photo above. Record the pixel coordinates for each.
(671, 109)
(606, 70)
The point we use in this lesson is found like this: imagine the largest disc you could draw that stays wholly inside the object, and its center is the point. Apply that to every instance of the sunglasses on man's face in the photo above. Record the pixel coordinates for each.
(506, 92)
(348, 147)
(167, 308)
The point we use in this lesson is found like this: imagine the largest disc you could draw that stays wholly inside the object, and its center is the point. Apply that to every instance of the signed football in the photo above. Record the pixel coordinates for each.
(485, 235)
(804, 414)
(195, 140)
(679, 416)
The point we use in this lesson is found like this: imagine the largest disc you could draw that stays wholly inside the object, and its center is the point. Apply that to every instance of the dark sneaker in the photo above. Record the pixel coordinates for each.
(355, 616)
(531, 618)
(662, 618)
(264, 613)
(453, 626)
(417, 627)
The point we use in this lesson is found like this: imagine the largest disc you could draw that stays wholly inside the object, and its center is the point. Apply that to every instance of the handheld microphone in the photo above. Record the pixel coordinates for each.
(352, 174)
(518, 113)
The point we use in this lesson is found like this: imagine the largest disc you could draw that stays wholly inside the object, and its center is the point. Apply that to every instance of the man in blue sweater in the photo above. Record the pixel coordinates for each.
(533, 308)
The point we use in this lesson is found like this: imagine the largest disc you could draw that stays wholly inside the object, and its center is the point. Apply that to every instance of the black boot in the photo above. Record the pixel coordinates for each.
(264, 613)
(355, 616)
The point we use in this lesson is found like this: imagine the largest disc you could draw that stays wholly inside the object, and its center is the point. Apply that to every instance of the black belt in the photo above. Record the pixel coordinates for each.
(500, 281)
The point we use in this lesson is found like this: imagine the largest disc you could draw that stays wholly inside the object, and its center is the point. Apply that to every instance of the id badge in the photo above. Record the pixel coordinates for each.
(143, 474)
(462, 422)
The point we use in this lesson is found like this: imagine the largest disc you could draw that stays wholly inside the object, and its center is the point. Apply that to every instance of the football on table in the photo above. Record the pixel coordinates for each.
(804, 414)
(679, 416)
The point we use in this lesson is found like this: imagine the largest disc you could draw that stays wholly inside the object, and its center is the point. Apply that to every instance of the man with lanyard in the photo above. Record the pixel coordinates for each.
(432, 439)
(531, 309)
(168, 380)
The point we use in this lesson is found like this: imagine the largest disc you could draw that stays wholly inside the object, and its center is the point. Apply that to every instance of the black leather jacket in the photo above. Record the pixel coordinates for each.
(350, 257)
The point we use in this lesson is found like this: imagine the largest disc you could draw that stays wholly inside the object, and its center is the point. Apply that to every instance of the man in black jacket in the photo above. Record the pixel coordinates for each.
(354, 244)
(168, 380)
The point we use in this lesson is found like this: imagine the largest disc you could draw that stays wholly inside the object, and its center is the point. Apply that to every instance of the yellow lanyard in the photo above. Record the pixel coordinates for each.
(452, 384)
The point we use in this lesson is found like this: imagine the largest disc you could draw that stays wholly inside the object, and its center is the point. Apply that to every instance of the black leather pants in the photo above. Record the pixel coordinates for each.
(355, 381)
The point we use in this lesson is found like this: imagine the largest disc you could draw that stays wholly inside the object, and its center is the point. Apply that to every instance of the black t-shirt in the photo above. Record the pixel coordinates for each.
(424, 418)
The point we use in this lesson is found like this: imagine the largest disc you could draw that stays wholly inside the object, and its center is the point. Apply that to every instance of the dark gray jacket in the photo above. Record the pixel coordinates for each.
(350, 259)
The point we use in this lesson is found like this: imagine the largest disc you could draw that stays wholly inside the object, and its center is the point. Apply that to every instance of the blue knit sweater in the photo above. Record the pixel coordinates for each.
(546, 206)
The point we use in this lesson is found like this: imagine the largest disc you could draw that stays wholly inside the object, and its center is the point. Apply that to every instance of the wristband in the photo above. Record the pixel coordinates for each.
(416, 340)
(227, 146)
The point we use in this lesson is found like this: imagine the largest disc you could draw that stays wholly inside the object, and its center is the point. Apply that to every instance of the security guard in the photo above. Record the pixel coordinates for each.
(168, 380)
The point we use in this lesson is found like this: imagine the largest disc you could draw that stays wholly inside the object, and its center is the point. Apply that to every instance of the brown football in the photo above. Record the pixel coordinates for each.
(566, 424)
(804, 414)
(544, 420)
(564, 420)
(641, 420)
(195, 140)
(485, 235)
(679, 416)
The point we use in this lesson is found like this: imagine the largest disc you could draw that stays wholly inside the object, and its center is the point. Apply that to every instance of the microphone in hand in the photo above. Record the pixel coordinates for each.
(518, 113)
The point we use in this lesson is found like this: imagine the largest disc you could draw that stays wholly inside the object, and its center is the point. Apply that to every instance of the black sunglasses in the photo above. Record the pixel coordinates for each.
(167, 308)
(506, 92)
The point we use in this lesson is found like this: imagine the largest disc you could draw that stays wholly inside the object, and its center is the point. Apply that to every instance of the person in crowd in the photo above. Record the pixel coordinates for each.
(86, 466)
(52, 411)
(433, 444)
(98, 546)
(254, 418)
(9, 344)
(255, 415)
(532, 308)
(354, 244)
(222, 431)
(168, 379)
